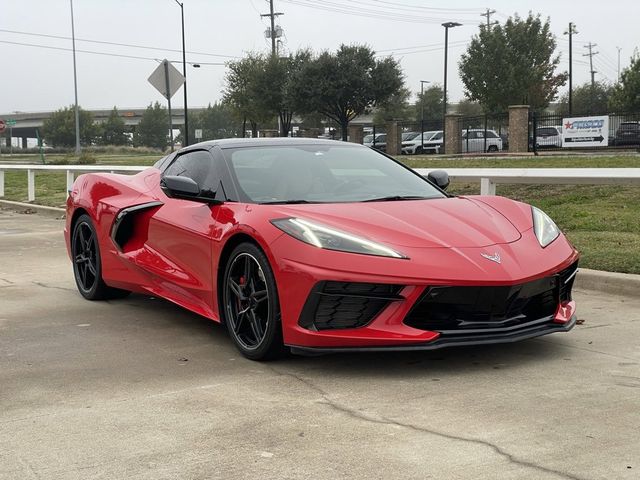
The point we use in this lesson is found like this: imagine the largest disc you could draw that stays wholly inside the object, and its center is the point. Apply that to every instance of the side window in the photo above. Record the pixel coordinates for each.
(491, 134)
(480, 135)
(197, 165)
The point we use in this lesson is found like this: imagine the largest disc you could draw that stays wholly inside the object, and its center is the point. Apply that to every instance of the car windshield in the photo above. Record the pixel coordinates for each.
(322, 174)
(368, 139)
(409, 136)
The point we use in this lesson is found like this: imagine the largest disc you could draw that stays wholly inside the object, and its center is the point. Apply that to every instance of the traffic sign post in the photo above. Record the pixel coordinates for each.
(167, 80)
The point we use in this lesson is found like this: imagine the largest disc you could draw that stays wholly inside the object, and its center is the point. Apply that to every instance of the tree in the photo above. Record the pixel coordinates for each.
(346, 84)
(587, 99)
(113, 130)
(59, 130)
(512, 64)
(241, 93)
(626, 94)
(396, 107)
(216, 121)
(431, 100)
(153, 128)
(469, 108)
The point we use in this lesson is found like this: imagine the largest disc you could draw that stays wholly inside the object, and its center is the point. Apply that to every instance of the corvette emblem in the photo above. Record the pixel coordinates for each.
(494, 258)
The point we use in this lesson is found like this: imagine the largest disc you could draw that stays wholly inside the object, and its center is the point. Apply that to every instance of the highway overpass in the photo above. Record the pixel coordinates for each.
(28, 122)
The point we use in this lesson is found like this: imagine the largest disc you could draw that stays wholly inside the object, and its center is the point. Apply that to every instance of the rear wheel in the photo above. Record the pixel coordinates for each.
(87, 264)
(250, 302)
(492, 148)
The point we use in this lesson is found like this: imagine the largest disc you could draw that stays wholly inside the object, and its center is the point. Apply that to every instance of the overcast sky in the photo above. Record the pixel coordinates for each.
(37, 78)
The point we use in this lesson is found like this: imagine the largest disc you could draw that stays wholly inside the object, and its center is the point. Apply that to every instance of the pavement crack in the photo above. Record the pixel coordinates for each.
(380, 420)
(44, 285)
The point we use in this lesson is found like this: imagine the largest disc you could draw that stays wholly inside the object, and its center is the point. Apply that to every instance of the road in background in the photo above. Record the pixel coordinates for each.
(139, 388)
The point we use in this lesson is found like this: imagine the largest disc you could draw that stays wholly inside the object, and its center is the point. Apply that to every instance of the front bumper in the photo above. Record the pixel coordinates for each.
(535, 329)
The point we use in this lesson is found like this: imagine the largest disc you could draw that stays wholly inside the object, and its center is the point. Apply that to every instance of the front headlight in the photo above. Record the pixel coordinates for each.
(545, 228)
(322, 236)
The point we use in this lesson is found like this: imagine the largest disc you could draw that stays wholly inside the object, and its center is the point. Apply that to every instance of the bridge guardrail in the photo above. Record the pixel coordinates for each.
(488, 177)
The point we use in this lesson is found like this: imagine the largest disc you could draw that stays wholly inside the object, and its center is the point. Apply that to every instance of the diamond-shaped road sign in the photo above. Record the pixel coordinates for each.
(159, 79)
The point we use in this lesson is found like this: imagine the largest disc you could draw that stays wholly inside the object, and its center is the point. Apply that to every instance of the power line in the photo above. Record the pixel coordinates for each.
(102, 42)
(106, 54)
(366, 13)
(393, 6)
(439, 44)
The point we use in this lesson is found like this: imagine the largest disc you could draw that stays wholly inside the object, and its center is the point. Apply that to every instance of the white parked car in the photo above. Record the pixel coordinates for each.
(380, 143)
(473, 140)
(549, 137)
(413, 145)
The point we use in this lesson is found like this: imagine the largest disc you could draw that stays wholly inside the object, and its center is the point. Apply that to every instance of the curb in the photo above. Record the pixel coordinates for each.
(21, 207)
(606, 282)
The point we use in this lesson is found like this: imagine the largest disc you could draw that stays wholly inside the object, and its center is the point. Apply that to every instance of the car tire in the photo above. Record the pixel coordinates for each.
(250, 305)
(419, 151)
(87, 262)
(492, 148)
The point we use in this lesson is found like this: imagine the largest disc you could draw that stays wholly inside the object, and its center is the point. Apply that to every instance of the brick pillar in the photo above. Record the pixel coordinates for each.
(356, 134)
(394, 138)
(453, 134)
(518, 128)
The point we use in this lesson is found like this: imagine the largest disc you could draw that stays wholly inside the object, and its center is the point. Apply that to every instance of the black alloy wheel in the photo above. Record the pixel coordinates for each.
(87, 265)
(419, 151)
(250, 302)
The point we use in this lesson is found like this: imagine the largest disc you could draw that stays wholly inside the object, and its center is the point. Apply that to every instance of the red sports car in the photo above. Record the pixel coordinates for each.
(321, 246)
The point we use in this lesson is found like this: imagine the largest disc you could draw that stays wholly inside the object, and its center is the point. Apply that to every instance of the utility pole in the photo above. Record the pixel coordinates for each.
(75, 81)
(619, 50)
(488, 14)
(571, 31)
(591, 53)
(272, 32)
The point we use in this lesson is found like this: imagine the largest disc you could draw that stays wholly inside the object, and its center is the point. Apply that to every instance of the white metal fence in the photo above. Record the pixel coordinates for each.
(488, 177)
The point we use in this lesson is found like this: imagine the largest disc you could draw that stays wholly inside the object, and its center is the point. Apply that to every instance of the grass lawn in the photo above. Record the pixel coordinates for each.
(602, 221)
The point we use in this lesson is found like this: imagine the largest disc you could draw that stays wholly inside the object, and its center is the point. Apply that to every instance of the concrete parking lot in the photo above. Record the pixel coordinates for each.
(139, 388)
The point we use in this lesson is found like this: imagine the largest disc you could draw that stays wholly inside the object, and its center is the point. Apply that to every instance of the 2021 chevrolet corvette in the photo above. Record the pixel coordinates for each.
(321, 246)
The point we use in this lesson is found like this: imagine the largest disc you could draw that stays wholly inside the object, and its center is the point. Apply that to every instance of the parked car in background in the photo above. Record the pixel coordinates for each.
(549, 137)
(414, 145)
(628, 133)
(379, 144)
(434, 144)
(473, 140)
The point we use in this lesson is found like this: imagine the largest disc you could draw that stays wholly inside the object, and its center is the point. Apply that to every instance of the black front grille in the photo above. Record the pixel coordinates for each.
(470, 310)
(338, 305)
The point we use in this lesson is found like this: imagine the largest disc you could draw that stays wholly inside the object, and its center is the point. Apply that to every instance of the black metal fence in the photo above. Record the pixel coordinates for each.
(546, 133)
(485, 133)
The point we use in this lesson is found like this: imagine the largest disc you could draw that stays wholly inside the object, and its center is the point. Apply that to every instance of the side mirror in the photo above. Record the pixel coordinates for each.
(185, 188)
(439, 178)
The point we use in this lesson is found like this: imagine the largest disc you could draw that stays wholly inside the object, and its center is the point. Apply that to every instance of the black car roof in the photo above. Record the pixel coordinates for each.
(259, 142)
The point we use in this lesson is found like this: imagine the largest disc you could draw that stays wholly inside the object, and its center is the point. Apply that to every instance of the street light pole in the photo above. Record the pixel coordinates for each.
(570, 32)
(75, 81)
(447, 26)
(422, 82)
(184, 74)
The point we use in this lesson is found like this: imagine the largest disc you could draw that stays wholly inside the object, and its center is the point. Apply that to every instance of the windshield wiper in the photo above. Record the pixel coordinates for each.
(395, 198)
(285, 202)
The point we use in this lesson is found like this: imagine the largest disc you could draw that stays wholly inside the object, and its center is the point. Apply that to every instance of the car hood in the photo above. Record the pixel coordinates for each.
(457, 222)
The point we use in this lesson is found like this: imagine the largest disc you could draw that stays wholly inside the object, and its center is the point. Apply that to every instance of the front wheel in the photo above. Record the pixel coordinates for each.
(492, 148)
(250, 302)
